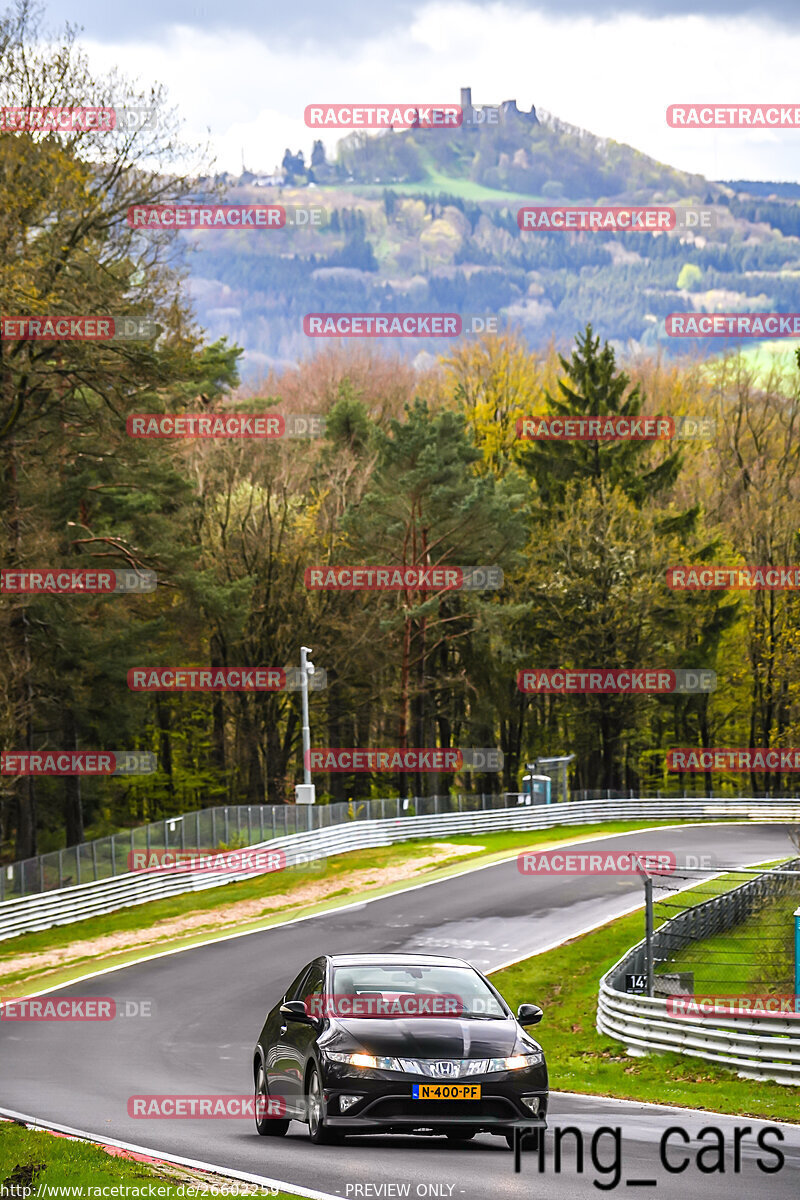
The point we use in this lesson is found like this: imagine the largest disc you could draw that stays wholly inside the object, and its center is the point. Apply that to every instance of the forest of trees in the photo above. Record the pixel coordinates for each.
(414, 468)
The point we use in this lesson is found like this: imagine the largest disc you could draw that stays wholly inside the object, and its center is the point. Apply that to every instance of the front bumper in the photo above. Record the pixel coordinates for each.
(385, 1102)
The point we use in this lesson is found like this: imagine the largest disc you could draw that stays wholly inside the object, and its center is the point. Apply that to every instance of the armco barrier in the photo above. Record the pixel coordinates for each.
(67, 905)
(755, 1047)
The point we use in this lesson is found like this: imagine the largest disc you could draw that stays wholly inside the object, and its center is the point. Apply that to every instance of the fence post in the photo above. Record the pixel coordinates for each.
(61, 868)
(94, 859)
(227, 839)
(214, 828)
(648, 934)
(261, 815)
(183, 833)
(77, 862)
(41, 872)
(274, 824)
(113, 859)
(797, 961)
(249, 825)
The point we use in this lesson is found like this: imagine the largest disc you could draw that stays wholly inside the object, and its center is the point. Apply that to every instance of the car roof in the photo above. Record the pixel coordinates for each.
(400, 960)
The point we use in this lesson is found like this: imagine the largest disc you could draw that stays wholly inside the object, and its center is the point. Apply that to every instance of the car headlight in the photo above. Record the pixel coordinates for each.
(365, 1061)
(516, 1062)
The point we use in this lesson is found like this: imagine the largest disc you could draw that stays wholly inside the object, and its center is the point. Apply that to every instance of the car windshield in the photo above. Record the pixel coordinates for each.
(388, 990)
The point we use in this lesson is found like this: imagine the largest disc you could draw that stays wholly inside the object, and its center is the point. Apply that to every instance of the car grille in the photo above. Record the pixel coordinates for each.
(453, 1068)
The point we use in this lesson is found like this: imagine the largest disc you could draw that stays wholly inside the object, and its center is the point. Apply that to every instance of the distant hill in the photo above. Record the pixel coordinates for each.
(517, 156)
(426, 220)
(757, 187)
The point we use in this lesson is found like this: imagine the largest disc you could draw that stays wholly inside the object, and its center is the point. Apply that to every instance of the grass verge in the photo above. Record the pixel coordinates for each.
(564, 983)
(37, 1160)
(56, 956)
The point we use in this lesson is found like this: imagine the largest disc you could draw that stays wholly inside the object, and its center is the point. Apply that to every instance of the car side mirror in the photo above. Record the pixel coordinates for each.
(295, 1010)
(529, 1014)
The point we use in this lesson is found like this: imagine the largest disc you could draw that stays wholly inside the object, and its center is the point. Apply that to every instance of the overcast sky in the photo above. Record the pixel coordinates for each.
(242, 74)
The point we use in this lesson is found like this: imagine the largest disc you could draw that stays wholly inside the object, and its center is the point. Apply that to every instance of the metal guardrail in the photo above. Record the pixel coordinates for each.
(240, 825)
(64, 906)
(764, 1048)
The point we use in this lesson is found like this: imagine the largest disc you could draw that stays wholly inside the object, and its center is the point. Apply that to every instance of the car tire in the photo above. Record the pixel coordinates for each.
(530, 1140)
(266, 1126)
(460, 1135)
(319, 1133)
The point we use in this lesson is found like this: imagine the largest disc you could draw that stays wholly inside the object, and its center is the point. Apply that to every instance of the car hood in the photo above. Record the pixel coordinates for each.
(433, 1037)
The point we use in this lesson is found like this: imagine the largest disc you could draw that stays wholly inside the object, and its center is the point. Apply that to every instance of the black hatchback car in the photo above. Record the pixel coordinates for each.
(400, 1043)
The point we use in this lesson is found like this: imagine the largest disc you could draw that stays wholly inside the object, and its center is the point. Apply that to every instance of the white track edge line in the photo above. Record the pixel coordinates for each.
(165, 1156)
(607, 920)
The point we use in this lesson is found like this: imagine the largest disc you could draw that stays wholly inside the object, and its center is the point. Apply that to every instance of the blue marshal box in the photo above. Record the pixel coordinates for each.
(536, 789)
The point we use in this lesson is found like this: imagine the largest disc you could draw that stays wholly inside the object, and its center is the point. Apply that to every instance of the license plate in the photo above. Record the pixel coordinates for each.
(446, 1091)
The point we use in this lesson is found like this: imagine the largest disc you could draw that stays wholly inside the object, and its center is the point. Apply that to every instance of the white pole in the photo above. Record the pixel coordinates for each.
(304, 651)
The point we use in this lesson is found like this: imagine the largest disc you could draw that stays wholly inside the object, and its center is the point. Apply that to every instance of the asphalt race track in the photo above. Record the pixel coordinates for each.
(209, 1003)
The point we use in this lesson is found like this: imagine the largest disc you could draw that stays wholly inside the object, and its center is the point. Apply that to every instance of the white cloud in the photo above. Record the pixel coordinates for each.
(613, 76)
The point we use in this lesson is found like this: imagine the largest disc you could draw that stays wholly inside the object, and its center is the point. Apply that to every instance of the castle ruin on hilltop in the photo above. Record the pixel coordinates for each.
(492, 114)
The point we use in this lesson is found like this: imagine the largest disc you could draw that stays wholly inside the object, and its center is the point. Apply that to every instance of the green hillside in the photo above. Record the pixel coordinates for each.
(426, 220)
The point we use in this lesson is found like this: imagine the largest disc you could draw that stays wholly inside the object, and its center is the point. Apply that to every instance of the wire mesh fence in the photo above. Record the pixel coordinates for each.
(227, 827)
(725, 936)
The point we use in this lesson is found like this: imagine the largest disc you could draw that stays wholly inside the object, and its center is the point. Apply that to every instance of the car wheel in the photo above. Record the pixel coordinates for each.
(530, 1140)
(267, 1126)
(319, 1133)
